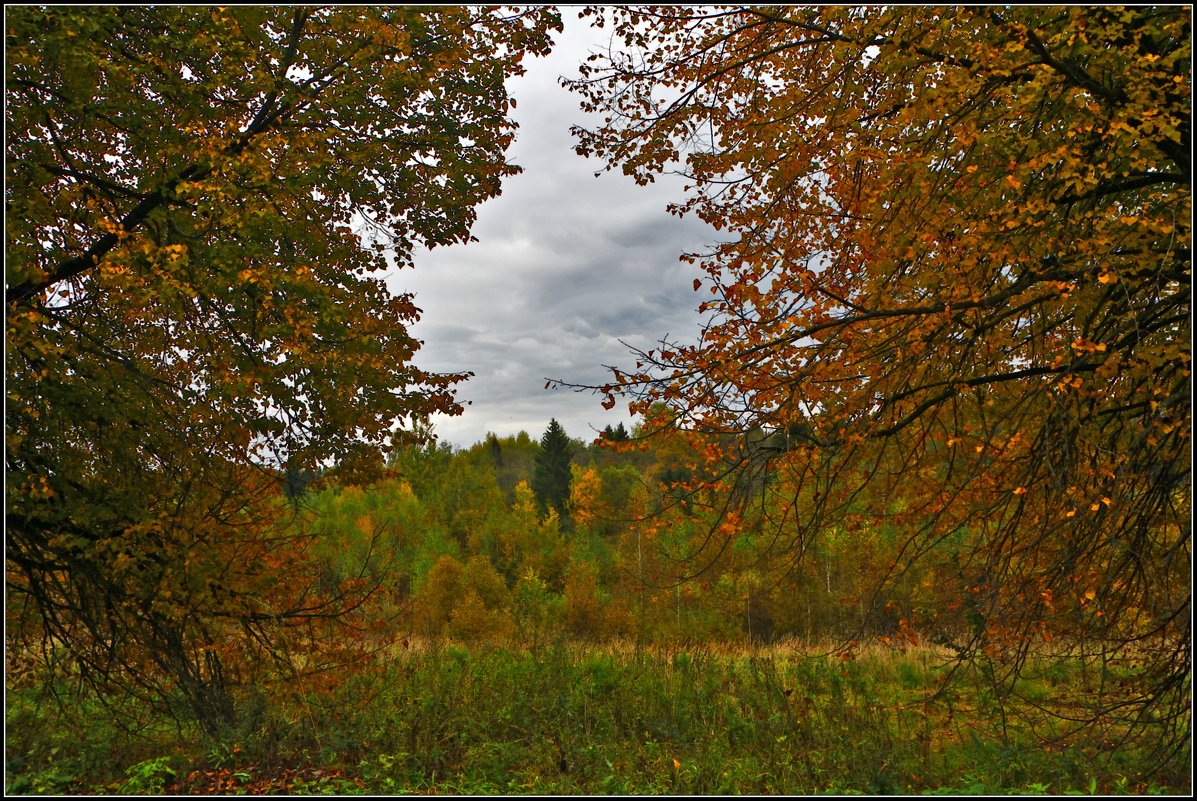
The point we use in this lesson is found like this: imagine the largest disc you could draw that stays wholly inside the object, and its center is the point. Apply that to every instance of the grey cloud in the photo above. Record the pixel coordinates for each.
(566, 265)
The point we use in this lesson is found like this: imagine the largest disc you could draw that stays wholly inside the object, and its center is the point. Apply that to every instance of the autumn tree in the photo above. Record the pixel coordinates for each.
(586, 505)
(955, 280)
(199, 203)
(552, 476)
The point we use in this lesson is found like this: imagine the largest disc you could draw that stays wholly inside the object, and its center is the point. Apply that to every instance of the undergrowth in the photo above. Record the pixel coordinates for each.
(575, 720)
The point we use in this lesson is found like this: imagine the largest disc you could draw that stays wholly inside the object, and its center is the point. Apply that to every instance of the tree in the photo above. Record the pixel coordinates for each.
(552, 476)
(617, 434)
(198, 204)
(958, 263)
(587, 510)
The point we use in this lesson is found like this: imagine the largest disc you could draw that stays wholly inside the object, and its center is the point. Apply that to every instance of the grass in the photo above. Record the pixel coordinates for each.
(589, 720)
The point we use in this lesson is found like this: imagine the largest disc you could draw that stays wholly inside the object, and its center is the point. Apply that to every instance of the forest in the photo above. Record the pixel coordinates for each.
(910, 513)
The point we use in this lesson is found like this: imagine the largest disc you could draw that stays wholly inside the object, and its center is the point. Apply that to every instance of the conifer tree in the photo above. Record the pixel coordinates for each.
(617, 434)
(551, 479)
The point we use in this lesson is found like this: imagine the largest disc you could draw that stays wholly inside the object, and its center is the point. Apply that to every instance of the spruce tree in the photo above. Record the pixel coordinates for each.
(551, 479)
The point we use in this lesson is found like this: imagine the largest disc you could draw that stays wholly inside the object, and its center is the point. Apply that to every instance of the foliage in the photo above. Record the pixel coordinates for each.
(197, 202)
(148, 778)
(538, 612)
(582, 600)
(954, 296)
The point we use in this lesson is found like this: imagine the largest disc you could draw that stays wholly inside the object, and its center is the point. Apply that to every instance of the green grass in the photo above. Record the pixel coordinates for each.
(572, 720)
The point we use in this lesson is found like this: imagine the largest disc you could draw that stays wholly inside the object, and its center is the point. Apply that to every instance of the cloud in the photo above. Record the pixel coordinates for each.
(565, 266)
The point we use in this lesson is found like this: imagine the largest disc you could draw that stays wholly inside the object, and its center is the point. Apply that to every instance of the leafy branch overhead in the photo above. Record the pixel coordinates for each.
(955, 281)
(199, 202)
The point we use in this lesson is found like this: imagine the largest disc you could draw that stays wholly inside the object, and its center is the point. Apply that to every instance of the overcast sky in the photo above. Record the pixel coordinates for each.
(565, 266)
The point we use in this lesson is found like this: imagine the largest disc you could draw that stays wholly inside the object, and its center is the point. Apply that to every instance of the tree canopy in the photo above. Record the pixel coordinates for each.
(199, 206)
(953, 295)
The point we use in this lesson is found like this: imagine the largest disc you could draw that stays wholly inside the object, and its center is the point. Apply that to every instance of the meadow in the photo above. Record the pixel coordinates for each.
(441, 718)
